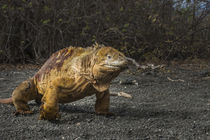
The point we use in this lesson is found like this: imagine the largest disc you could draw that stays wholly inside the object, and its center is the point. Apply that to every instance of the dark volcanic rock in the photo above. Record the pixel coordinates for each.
(160, 109)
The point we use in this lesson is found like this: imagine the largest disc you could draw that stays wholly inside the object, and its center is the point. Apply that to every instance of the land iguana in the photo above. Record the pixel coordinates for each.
(68, 75)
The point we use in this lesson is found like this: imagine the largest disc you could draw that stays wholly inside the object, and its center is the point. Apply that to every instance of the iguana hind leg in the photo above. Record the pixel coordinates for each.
(22, 94)
(49, 110)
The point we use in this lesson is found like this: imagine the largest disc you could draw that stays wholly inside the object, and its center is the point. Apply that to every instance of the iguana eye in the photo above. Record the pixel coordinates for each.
(109, 56)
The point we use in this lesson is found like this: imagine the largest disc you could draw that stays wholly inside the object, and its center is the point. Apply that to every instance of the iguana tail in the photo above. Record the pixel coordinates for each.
(6, 101)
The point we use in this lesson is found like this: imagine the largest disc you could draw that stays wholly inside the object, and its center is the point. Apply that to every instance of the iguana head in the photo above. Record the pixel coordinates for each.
(110, 59)
(109, 62)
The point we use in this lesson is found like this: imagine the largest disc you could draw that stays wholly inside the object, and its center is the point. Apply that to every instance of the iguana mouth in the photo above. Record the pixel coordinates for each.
(115, 67)
(111, 66)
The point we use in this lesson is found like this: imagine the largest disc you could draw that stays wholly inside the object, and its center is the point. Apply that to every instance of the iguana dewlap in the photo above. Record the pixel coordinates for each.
(68, 75)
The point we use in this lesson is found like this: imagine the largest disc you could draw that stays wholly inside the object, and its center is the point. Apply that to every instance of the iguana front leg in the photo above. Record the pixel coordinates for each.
(102, 103)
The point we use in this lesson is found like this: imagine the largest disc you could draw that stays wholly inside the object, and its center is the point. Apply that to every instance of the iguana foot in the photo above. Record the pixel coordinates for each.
(105, 113)
(23, 112)
(48, 114)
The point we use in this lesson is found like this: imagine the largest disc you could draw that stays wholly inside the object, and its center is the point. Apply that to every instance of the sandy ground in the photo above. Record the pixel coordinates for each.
(168, 104)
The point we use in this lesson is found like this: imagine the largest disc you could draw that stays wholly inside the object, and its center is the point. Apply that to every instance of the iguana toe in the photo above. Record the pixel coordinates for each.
(23, 112)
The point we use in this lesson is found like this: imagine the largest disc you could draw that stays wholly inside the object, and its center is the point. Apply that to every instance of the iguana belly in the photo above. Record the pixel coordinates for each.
(78, 90)
(70, 90)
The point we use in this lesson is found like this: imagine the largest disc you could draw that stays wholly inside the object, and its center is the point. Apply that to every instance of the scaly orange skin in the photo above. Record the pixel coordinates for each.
(71, 74)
